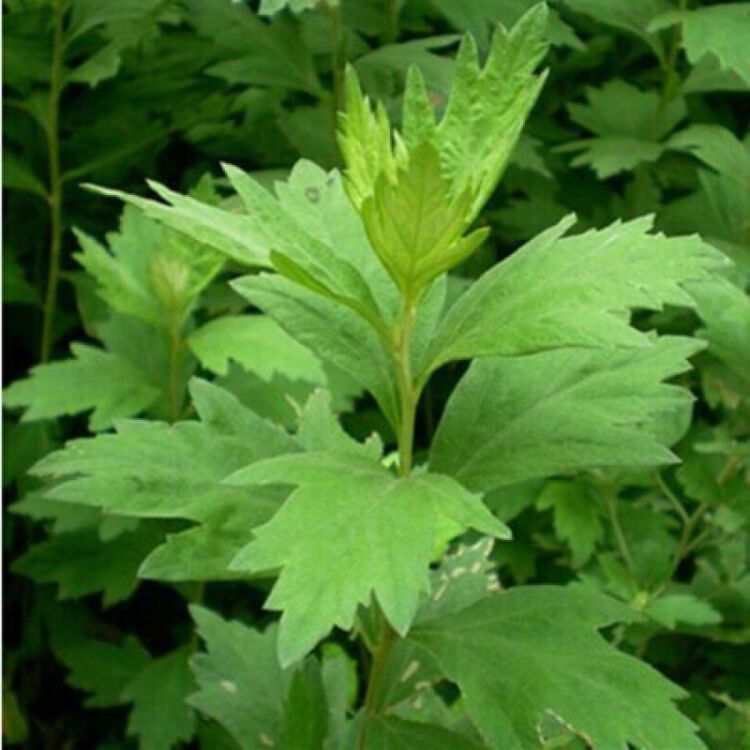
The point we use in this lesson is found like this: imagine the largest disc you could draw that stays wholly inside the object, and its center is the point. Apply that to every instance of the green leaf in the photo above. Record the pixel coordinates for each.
(633, 16)
(721, 210)
(479, 17)
(299, 255)
(102, 668)
(256, 343)
(160, 718)
(484, 102)
(204, 552)
(394, 733)
(629, 123)
(149, 272)
(20, 176)
(320, 430)
(88, 14)
(559, 411)
(416, 226)
(532, 652)
(81, 564)
(572, 291)
(92, 379)
(156, 470)
(577, 519)
(464, 577)
(255, 53)
(353, 511)
(670, 609)
(725, 311)
(239, 679)
(333, 332)
(306, 709)
(233, 234)
(16, 289)
(720, 31)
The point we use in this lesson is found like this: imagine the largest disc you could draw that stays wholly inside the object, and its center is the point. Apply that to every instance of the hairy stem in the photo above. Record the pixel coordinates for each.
(55, 181)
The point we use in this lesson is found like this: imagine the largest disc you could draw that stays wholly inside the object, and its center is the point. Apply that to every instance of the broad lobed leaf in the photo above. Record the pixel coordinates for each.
(517, 418)
(372, 533)
(534, 651)
(572, 291)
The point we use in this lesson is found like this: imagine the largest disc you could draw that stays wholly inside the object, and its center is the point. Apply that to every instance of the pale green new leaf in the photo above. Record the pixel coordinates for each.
(720, 30)
(416, 226)
(258, 344)
(160, 718)
(487, 108)
(517, 418)
(572, 291)
(239, 679)
(372, 532)
(476, 135)
(533, 652)
(92, 379)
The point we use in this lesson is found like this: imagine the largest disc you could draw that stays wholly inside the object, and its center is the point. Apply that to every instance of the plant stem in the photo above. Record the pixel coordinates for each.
(391, 21)
(686, 544)
(379, 660)
(409, 397)
(622, 545)
(408, 391)
(679, 508)
(668, 90)
(55, 182)
(174, 343)
(337, 63)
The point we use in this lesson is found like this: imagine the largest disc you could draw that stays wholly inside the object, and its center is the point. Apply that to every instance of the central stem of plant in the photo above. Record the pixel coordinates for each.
(408, 392)
(408, 398)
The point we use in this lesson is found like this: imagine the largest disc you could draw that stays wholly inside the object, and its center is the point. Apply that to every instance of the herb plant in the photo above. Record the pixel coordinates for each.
(262, 357)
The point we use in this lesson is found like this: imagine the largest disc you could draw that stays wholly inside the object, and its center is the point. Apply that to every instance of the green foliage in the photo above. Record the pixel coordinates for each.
(386, 528)
(518, 636)
(247, 430)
